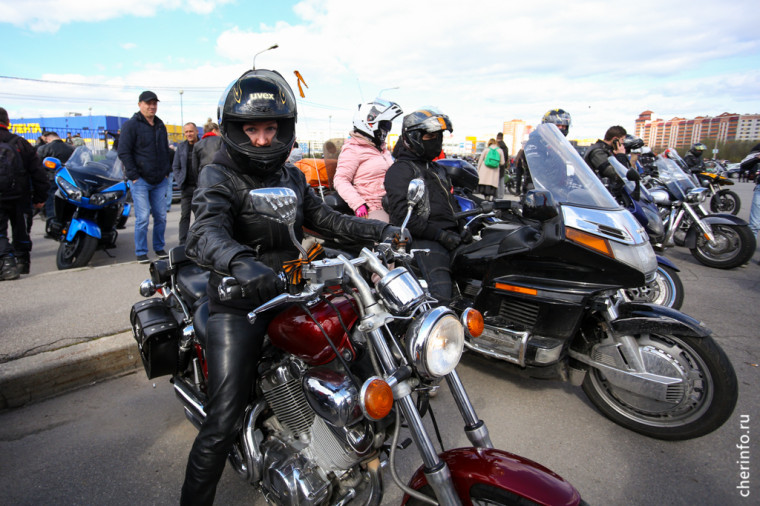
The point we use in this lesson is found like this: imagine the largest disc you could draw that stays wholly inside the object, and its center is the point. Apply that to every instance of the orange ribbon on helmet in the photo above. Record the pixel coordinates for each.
(300, 80)
(292, 268)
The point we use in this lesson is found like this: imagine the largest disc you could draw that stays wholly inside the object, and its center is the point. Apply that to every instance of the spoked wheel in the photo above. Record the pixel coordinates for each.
(666, 289)
(733, 246)
(699, 399)
(76, 253)
(725, 201)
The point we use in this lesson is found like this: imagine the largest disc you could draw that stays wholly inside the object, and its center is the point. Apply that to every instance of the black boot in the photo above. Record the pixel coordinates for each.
(22, 260)
(9, 269)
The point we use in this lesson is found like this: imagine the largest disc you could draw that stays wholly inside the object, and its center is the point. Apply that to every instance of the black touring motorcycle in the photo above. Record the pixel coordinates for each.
(550, 282)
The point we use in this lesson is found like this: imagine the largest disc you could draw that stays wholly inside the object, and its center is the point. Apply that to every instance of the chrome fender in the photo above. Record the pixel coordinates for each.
(501, 470)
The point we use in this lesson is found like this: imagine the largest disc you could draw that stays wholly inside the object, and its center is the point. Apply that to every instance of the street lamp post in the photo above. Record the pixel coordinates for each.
(181, 109)
(274, 46)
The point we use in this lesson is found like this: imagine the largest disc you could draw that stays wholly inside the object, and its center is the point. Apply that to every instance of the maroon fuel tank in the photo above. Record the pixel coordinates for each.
(294, 331)
(486, 471)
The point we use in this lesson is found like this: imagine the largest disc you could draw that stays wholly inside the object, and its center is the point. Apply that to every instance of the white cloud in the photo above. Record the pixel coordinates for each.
(482, 62)
(50, 15)
(128, 45)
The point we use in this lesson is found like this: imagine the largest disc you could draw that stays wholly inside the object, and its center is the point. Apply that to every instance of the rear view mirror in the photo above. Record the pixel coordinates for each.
(539, 205)
(415, 192)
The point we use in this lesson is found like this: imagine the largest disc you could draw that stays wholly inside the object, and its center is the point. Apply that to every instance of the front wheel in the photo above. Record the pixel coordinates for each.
(76, 253)
(725, 201)
(733, 245)
(666, 289)
(699, 402)
(512, 186)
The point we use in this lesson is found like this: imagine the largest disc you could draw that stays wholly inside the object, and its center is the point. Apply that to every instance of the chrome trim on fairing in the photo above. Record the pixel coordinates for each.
(617, 225)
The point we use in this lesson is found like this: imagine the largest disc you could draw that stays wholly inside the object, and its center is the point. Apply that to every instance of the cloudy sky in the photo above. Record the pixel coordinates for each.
(482, 62)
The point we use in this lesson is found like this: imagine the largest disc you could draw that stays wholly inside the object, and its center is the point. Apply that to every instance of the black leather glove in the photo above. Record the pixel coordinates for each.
(466, 236)
(448, 240)
(258, 282)
(391, 233)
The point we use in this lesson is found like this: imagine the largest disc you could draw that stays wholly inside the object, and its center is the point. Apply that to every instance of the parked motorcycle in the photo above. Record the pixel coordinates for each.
(90, 204)
(551, 286)
(341, 367)
(722, 200)
(666, 289)
(723, 241)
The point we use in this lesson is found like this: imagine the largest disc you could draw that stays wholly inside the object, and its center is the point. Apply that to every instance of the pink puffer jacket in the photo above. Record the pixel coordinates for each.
(361, 172)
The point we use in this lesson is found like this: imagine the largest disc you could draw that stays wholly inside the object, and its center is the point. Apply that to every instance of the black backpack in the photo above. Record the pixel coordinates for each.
(11, 170)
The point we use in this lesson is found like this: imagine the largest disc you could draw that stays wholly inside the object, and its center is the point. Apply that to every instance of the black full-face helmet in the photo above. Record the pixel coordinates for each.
(632, 142)
(258, 95)
(559, 117)
(698, 148)
(428, 120)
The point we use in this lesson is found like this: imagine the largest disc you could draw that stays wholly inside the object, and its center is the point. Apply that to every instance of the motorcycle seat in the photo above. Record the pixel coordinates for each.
(191, 282)
(200, 321)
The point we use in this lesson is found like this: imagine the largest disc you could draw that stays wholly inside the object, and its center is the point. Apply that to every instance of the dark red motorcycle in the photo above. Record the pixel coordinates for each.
(344, 363)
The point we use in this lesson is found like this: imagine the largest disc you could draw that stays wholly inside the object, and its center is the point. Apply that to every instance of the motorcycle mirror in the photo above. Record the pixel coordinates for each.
(539, 205)
(415, 192)
(279, 205)
(633, 175)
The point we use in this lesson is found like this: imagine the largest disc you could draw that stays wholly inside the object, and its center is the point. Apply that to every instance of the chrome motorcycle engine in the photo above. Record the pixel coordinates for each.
(301, 453)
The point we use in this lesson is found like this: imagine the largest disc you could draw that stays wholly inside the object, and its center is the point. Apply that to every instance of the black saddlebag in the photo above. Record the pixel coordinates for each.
(157, 334)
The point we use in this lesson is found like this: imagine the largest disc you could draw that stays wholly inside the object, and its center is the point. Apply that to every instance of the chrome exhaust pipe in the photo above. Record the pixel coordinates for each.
(194, 410)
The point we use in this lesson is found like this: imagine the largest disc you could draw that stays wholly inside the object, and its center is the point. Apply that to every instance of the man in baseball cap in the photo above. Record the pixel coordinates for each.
(147, 96)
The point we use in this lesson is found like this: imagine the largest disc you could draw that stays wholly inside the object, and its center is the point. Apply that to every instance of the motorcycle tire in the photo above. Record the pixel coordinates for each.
(725, 201)
(733, 246)
(706, 402)
(666, 289)
(76, 253)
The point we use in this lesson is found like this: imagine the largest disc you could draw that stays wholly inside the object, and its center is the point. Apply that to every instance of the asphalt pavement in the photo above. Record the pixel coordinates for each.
(61, 330)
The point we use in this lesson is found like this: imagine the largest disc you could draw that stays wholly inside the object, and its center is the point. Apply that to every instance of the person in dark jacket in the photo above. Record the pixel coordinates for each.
(693, 158)
(18, 196)
(229, 238)
(144, 151)
(55, 147)
(185, 176)
(432, 222)
(599, 152)
(210, 143)
(502, 167)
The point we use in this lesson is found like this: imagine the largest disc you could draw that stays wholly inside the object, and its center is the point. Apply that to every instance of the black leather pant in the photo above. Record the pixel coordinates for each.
(434, 267)
(232, 353)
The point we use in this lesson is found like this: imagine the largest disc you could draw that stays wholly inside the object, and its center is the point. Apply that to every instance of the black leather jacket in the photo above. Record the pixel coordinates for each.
(436, 211)
(695, 162)
(596, 157)
(226, 224)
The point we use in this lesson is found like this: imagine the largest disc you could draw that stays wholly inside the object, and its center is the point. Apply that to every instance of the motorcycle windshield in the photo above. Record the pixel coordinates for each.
(670, 172)
(557, 167)
(630, 186)
(109, 167)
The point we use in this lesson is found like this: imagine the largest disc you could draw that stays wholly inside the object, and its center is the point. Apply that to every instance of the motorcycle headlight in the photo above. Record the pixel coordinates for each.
(696, 195)
(68, 189)
(435, 342)
(639, 256)
(100, 199)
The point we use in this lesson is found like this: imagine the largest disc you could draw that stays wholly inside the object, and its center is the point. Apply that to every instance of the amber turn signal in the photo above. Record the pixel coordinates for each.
(49, 164)
(377, 398)
(472, 320)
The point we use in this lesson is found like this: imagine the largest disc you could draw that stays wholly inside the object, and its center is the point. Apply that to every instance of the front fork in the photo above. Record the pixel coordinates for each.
(677, 216)
(437, 471)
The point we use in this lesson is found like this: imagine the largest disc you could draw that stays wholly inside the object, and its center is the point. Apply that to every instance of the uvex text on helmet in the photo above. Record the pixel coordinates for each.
(258, 95)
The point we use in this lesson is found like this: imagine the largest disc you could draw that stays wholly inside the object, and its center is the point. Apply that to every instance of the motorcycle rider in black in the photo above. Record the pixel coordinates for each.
(558, 117)
(432, 223)
(599, 152)
(257, 118)
(693, 158)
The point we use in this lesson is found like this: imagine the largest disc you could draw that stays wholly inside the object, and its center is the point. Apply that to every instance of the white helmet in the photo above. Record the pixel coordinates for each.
(374, 119)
